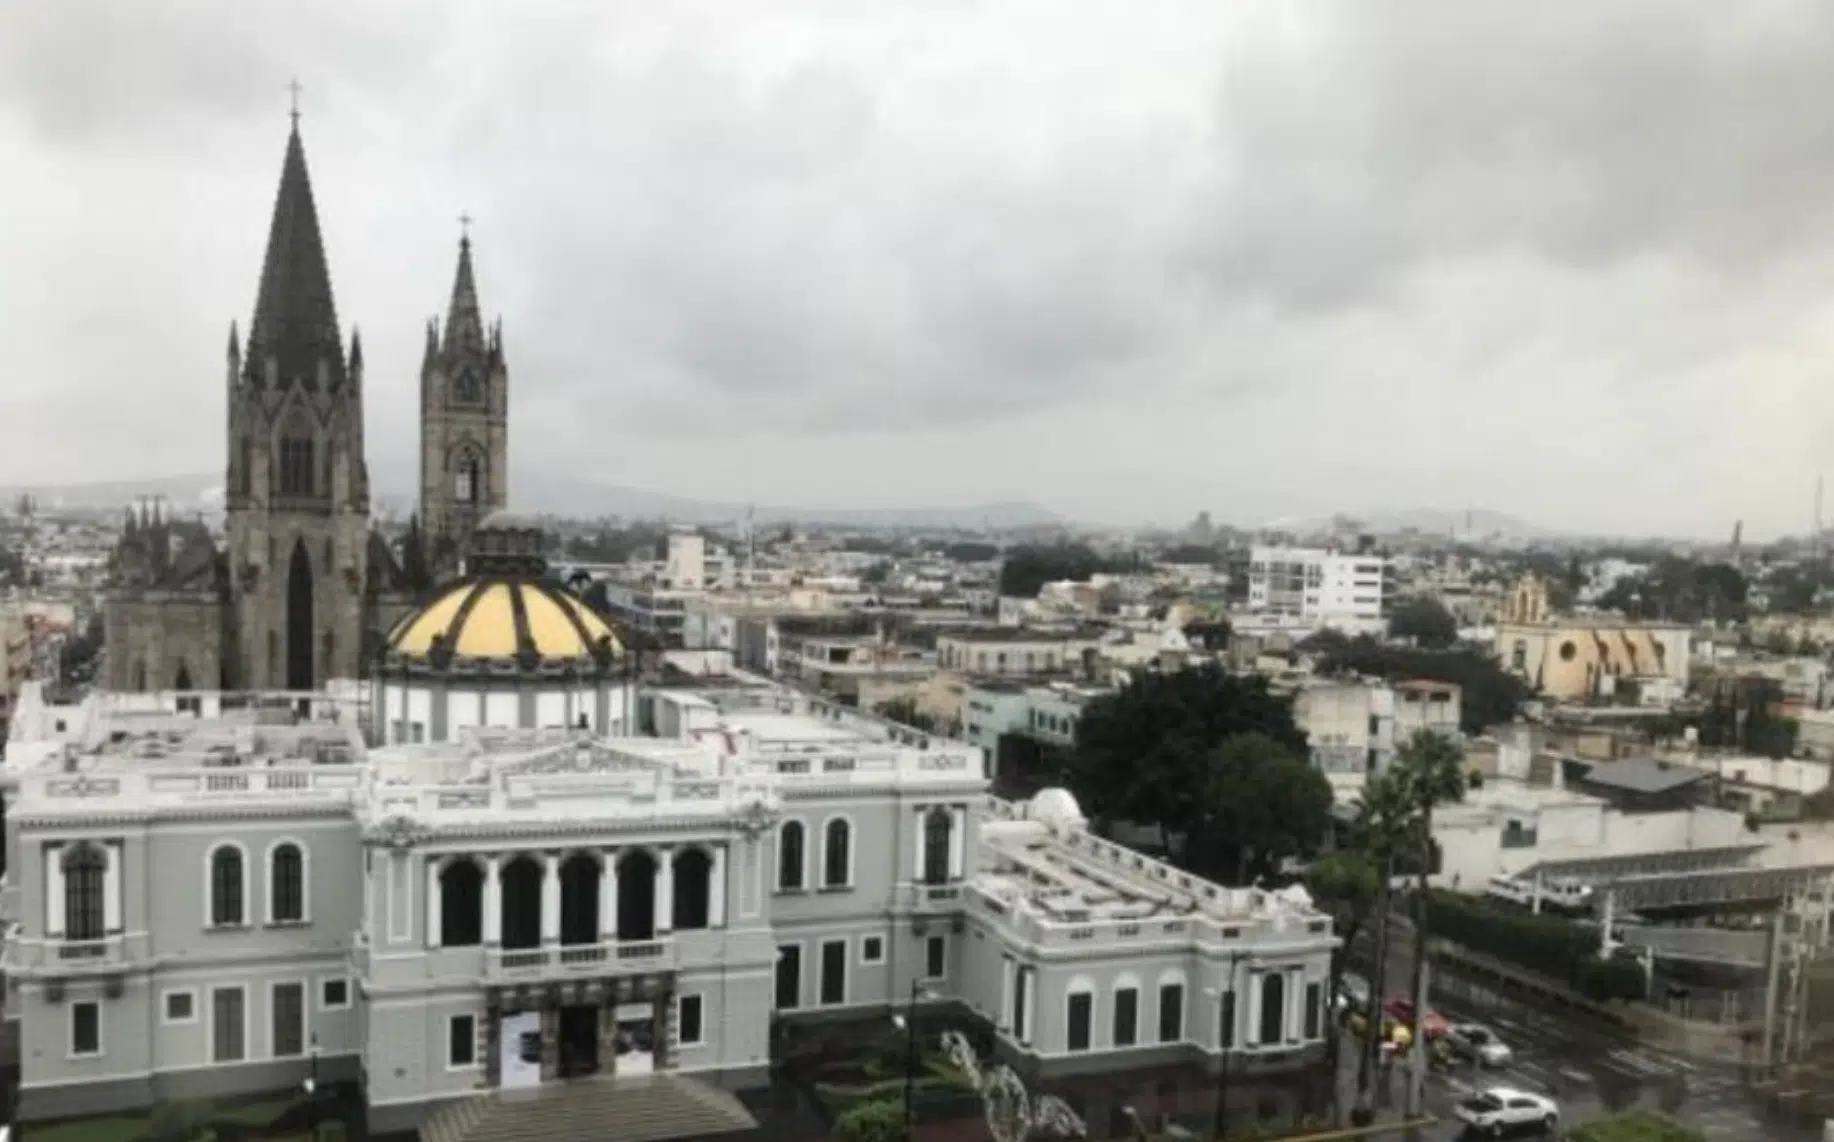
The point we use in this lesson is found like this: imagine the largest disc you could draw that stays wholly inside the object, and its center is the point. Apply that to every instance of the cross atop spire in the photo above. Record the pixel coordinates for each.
(295, 89)
(295, 324)
(465, 227)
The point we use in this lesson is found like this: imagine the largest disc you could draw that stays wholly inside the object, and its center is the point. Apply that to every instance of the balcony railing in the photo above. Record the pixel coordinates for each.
(560, 960)
(56, 957)
(931, 897)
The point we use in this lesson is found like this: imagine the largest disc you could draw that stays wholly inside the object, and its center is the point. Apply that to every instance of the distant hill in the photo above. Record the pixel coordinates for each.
(1473, 523)
(551, 494)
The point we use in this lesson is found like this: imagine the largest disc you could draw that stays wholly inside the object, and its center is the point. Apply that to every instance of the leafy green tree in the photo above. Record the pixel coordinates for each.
(1425, 620)
(1488, 695)
(904, 711)
(1028, 568)
(1263, 804)
(1680, 590)
(881, 1120)
(1347, 884)
(1383, 832)
(1144, 752)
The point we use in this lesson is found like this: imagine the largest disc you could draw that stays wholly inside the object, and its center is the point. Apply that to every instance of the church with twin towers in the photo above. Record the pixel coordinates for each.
(305, 586)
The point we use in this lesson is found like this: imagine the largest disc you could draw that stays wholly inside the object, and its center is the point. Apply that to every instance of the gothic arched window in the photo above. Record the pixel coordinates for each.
(466, 389)
(468, 479)
(297, 476)
(84, 918)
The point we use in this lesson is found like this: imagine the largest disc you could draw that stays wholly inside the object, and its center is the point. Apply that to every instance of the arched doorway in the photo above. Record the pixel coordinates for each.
(637, 896)
(299, 619)
(579, 899)
(521, 883)
(693, 877)
(182, 681)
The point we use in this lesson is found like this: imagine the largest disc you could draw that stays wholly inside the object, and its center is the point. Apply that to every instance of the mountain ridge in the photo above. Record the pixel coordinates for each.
(548, 494)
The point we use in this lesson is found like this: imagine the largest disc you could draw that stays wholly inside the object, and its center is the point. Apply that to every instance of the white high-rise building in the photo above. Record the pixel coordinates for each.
(1315, 587)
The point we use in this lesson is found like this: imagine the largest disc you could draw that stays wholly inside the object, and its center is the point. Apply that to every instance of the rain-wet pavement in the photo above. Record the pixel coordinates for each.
(1589, 1071)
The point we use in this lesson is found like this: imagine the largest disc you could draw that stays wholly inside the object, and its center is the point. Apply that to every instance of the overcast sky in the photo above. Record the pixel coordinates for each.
(1130, 260)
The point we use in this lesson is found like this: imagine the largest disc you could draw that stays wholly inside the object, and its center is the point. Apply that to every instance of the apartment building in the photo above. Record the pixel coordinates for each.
(1319, 587)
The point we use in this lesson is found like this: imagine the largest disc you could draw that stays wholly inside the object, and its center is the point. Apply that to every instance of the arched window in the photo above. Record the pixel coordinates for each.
(297, 475)
(468, 479)
(84, 915)
(579, 899)
(521, 882)
(693, 888)
(1273, 1008)
(837, 854)
(637, 895)
(466, 389)
(938, 836)
(461, 904)
(790, 856)
(286, 879)
(226, 887)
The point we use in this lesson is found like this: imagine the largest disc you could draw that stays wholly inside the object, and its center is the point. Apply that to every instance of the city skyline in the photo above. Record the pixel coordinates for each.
(1269, 262)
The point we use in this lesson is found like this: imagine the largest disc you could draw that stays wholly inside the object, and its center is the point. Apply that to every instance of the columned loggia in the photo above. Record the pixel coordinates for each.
(528, 900)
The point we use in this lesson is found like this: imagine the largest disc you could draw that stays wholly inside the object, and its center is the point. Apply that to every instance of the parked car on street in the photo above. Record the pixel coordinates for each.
(1478, 1043)
(1499, 1111)
(1401, 1009)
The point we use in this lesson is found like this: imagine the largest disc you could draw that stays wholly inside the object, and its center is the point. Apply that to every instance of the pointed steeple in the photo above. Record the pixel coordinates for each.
(296, 323)
(464, 318)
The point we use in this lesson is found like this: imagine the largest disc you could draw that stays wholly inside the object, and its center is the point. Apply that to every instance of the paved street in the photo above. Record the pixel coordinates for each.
(1588, 1071)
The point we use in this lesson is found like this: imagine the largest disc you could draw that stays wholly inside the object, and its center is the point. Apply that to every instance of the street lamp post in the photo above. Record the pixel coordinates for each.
(1227, 1016)
(909, 1022)
(311, 1086)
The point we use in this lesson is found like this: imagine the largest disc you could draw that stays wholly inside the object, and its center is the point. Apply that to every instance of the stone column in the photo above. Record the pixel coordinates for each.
(111, 888)
(434, 904)
(919, 842)
(716, 889)
(665, 892)
(54, 893)
(493, 901)
(958, 842)
(608, 896)
(550, 1041)
(550, 899)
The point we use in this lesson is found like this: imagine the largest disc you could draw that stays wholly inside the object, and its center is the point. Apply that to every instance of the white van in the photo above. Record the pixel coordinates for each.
(1560, 892)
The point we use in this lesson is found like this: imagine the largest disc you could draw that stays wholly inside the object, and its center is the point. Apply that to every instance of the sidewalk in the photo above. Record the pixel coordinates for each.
(1387, 1089)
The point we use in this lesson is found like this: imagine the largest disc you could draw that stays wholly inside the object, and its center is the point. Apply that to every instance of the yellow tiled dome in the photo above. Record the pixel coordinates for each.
(505, 619)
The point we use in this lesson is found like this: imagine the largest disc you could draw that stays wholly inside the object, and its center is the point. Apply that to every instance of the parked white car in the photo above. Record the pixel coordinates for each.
(1480, 1044)
(1503, 1110)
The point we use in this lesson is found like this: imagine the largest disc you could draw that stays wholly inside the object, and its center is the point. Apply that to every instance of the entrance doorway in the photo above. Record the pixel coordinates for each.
(520, 1038)
(579, 1040)
(636, 1039)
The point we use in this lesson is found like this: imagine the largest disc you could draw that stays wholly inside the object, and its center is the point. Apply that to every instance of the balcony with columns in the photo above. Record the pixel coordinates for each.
(543, 916)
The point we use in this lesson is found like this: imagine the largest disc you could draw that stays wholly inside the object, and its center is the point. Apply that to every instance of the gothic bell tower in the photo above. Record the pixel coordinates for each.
(297, 484)
(464, 423)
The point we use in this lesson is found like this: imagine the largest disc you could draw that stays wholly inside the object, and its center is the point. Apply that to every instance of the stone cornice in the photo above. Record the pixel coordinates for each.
(81, 816)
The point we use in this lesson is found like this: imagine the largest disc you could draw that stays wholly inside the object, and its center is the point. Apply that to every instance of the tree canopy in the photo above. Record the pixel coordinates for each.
(1425, 620)
(1488, 694)
(1213, 759)
(1028, 567)
(1680, 590)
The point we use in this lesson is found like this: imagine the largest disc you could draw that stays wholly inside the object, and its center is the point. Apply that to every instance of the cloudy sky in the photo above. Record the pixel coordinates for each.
(1130, 260)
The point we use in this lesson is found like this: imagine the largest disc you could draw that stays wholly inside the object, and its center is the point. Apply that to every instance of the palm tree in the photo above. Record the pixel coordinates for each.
(1429, 770)
(1382, 831)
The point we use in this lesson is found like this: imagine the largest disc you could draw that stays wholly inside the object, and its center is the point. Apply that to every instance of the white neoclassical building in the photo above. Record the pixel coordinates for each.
(221, 900)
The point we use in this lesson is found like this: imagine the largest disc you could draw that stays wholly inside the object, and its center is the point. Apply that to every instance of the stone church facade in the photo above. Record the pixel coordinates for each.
(303, 586)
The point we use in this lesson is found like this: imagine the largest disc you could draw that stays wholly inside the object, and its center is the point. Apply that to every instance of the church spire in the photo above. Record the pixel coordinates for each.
(295, 325)
(464, 317)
